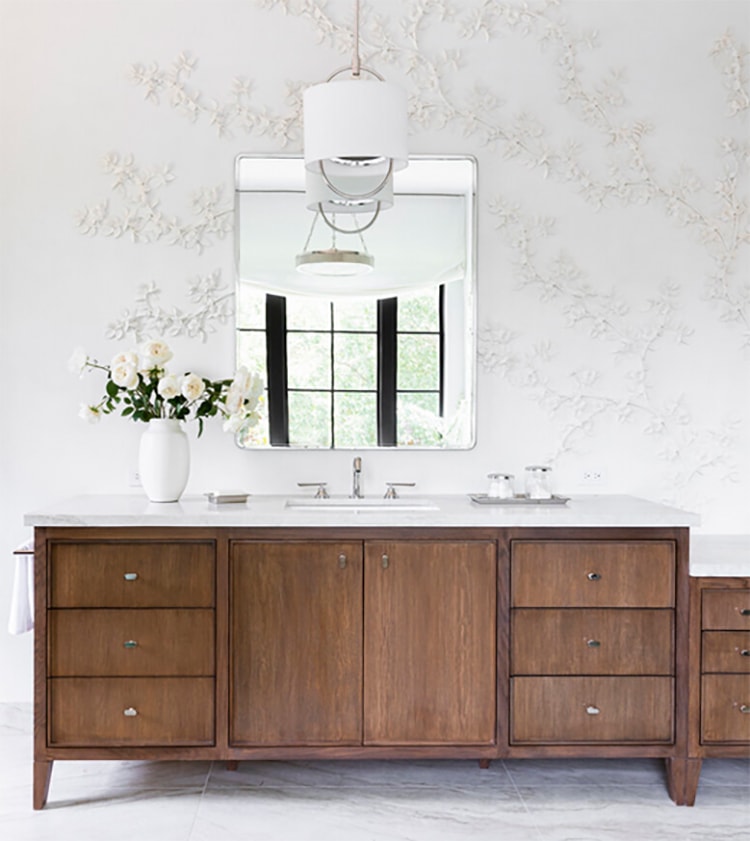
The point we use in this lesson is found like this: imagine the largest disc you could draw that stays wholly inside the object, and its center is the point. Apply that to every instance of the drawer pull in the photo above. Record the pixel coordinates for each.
(342, 561)
(593, 643)
(593, 576)
(745, 708)
(130, 712)
(592, 710)
(131, 576)
(130, 644)
(745, 611)
(385, 561)
(745, 652)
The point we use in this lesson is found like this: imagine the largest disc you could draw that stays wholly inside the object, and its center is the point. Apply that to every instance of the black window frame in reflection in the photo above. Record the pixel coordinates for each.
(386, 390)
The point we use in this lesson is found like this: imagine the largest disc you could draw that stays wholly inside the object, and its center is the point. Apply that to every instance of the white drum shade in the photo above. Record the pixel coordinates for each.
(356, 119)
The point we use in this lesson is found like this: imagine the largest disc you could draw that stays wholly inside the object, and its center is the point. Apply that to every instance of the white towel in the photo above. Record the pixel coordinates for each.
(22, 604)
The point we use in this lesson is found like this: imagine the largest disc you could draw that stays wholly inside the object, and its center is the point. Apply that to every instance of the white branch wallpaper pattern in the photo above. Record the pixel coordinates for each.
(612, 139)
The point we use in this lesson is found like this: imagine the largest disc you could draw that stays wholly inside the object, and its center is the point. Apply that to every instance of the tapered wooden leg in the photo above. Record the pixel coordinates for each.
(232, 764)
(42, 775)
(682, 780)
(484, 764)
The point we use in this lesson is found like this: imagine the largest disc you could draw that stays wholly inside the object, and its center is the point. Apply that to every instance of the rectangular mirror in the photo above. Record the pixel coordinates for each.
(381, 359)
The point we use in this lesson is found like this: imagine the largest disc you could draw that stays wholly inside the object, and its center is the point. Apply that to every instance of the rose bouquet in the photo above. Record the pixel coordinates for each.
(141, 387)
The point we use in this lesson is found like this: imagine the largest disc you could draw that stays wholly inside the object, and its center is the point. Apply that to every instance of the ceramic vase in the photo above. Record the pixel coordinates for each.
(164, 460)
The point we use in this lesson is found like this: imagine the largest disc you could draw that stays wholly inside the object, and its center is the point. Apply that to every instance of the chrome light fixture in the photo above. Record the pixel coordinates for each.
(354, 138)
(334, 261)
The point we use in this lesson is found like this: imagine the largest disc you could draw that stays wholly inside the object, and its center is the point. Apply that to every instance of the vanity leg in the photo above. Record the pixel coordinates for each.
(42, 775)
(682, 780)
(232, 764)
(484, 764)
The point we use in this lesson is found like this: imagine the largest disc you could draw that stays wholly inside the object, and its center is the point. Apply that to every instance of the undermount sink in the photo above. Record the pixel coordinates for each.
(345, 503)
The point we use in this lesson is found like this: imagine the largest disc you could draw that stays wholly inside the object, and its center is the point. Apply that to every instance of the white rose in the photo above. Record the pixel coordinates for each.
(78, 361)
(124, 375)
(192, 387)
(242, 381)
(169, 386)
(91, 414)
(234, 401)
(127, 357)
(155, 354)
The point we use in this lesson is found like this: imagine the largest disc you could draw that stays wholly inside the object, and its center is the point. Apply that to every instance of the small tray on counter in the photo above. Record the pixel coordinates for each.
(484, 499)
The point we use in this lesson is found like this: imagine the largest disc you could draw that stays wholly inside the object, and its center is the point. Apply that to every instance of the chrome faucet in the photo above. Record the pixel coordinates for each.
(356, 479)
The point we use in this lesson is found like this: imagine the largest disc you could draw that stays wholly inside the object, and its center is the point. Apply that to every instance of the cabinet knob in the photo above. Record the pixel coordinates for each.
(130, 644)
(130, 576)
(745, 708)
(385, 561)
(593, 576)
(745, 611)
(130, 712)
(342, 561)
(591, 709)
(593, 643)
(745, 652)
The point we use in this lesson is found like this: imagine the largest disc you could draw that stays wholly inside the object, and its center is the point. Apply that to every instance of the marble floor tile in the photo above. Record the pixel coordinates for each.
(586, 772)
(725, 772)
(388, 813)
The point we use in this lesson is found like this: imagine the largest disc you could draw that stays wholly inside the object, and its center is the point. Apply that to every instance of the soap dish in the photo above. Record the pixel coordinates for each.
(484, 499)
(224, 497)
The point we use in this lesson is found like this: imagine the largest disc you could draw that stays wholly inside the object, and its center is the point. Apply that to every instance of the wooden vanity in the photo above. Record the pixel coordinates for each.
(244, 636)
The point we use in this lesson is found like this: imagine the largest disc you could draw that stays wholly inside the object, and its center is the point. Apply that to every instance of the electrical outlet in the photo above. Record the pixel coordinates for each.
(134, 479)
(593, 476)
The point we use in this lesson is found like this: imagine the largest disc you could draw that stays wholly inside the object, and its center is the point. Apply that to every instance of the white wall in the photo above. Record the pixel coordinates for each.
(614, 307)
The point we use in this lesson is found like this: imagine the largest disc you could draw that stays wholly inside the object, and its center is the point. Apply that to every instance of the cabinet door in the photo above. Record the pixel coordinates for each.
(430, 643)
(296, 643)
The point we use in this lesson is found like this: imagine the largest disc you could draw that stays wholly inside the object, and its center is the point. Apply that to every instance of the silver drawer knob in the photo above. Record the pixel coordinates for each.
(342, 561)
(745, 708)
(131, 576)
(385, 561)
(593, 576)
(130, 712)
(745, 611)
(593, 643)
(745, 652)
(592, 710)
(130, 644)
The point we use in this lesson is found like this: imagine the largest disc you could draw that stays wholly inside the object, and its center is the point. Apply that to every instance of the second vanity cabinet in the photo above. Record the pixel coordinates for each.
(240, 643)
(363, 643)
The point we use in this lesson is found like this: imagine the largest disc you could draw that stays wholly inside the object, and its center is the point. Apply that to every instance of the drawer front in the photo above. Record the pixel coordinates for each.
(132, 574)
(110, 643)
(577, 710)
(592, 642)
(130, 711)
(727, 610)
(550, 573)
(726, 651)
(725, 709)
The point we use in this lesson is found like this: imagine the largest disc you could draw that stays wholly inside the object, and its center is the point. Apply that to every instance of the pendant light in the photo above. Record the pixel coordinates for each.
(354, 137)
(334, 261)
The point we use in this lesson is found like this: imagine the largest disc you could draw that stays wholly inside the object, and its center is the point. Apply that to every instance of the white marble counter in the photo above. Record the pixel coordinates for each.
(720, 555)
(445, 511)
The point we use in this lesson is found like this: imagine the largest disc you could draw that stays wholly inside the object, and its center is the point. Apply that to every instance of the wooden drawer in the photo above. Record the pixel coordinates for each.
(725, 709)
(591, 642)
(556, 573)
(726, 651)
(101, 643)
(133, 574)
(726, 610)
(574, 710)
(164, 711)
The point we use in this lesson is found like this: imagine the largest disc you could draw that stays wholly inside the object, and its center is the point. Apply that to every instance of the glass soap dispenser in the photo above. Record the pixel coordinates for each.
(501, 485)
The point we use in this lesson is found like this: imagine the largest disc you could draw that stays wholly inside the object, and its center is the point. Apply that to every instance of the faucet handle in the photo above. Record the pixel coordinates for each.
(391, 493)
(321, 493)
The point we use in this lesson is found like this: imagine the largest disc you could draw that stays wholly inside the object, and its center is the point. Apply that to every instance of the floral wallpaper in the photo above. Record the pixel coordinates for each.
(600, 373)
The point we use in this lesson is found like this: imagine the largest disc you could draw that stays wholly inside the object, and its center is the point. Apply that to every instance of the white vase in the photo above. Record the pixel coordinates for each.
(164, 460)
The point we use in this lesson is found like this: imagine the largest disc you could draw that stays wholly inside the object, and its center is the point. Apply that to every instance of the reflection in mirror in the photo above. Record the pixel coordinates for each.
(382, 359)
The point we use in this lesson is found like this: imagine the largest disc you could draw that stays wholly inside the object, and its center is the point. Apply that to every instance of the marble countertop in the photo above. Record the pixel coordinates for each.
(720, 555)
(446, 511)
